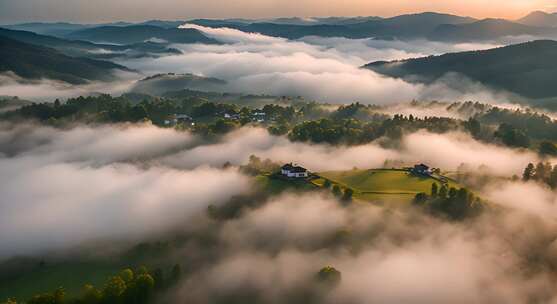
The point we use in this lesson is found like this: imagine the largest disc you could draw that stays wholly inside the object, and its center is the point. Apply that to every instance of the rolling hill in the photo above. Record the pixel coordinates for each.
(382, 184)
(140, 33)
(487, 29)
(80, 48)
(539, 18)
(160, 84)
(404, 26)
(30, 61)
(527, 69)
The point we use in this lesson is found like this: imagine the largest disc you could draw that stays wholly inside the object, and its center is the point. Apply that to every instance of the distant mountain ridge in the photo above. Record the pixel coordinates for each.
(33, 62)
(404, 26)
(540, 19)
(487, 29)
(140, 33)
(527, 69)
(80, 48)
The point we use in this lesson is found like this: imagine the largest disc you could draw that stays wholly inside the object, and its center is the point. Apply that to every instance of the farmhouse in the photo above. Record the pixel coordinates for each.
(421, 169)
(293, 171)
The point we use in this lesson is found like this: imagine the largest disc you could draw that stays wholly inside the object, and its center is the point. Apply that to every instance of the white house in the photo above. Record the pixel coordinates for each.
(293, 171)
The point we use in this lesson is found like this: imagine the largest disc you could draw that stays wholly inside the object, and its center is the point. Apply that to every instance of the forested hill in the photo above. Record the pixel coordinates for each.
(528, 69)
(30, 61)
(139, 34)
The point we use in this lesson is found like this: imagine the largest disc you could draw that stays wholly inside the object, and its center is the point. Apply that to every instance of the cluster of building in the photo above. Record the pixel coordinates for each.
(178, 118)
(256, 116)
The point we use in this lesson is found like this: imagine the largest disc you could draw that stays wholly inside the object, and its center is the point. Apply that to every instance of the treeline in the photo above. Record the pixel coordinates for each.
(451, 202)
(351, 124)
(128, 287)
(352, 131)
(541, 172)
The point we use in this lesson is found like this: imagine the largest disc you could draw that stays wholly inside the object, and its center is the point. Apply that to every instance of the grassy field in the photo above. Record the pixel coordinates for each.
(381, 184)
(273, 185)
(33, 278)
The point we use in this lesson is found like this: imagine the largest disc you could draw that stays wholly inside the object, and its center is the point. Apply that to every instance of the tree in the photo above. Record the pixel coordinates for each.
(91, 295)
(547, 148)
(114, 288)
(158, 276)
(420, 199)
(434, 190)
(512, 136)
(347, 196)
(127, 275)
(143, 288)
(541, 171)
(553, 178)
(327, 184)
(443, 192)
(337, 191)
(329, 275)
(528, 172)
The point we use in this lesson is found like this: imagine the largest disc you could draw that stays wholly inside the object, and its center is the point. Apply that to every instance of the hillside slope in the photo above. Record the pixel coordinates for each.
(80, 48)
(487, 29)
(140, 33)
(527, 69)
(30, 61)
(160, 84)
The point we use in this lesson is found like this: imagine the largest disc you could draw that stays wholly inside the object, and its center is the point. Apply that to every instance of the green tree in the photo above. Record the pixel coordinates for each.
(91, 295)
(434, 190)
(127, 275)
(327, 184)
(143, 288)
(329, 275)
(528, 172)
(114, 288)
(347, 196)
(443, 192)
(420, 199)
(547, 148)
(337, 191)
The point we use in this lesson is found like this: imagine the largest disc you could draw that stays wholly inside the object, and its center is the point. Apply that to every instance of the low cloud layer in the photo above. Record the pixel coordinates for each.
(272, 254)
(64, 188)
(46, 90)
(322, 69)
(446, 151)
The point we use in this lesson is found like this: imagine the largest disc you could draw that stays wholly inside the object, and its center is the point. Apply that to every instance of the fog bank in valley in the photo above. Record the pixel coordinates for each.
(129, 181)
(322, 69)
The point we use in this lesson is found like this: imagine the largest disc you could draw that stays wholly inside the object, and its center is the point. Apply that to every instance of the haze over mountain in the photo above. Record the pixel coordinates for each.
(158, 85)
(540, 19)
(80, 48)
(487, 29)
(35, 62)
(527, 69)
(404, 26)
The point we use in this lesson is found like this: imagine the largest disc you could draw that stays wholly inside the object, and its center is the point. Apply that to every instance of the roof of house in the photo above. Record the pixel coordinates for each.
(287, 167)
(294, 169)
(421, 166)
(298, 170)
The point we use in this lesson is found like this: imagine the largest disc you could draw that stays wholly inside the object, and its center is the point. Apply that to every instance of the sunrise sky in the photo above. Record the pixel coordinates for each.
(136, 10)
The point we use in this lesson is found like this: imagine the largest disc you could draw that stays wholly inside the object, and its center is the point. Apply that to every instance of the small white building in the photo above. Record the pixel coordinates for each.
(292, 171)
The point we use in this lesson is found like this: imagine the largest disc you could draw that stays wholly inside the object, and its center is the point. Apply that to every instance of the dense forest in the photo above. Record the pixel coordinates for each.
(351, 124)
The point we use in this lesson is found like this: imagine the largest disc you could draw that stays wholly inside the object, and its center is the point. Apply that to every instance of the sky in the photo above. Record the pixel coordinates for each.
(136, 10)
